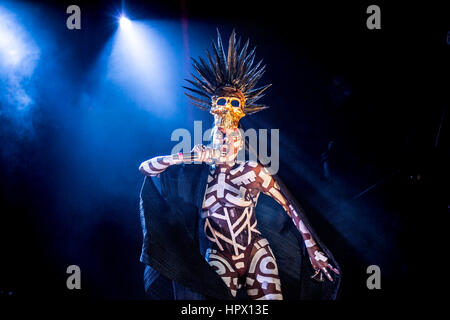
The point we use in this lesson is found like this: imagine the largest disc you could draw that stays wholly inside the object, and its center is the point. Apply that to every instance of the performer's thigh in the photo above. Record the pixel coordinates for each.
(263, 281)
(224, 269)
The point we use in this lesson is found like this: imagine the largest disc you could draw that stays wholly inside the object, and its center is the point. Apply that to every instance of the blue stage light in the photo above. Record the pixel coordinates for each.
(142, 59)
(124, 22)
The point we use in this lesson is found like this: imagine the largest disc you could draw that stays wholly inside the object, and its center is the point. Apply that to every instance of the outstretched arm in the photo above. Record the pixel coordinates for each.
(317, 258)
(156, 165)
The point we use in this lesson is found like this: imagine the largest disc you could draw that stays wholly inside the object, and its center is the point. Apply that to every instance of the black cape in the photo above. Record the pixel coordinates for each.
(174, 243)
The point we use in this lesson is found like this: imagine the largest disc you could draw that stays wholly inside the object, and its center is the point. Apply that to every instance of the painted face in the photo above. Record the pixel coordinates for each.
(227, 108)
(228, 142)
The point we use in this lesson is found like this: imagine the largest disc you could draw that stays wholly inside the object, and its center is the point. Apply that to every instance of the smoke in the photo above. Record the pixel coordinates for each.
(18, 58)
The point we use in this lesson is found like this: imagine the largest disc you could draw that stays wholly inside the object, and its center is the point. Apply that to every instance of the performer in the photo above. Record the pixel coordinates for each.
(237, 249)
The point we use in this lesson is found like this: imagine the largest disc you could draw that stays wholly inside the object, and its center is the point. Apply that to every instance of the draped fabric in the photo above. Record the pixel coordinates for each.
(174, 243)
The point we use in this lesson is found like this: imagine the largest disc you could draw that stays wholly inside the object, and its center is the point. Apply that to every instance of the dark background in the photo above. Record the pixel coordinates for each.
(69, 188)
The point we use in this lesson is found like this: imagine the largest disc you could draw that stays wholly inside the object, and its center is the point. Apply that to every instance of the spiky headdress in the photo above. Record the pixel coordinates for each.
(235, 71)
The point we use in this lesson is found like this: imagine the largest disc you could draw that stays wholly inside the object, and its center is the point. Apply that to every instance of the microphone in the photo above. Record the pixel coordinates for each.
(195, 156)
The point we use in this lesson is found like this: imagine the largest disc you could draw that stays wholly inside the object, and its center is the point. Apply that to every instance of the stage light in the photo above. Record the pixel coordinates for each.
(144, 63)
(124, 22)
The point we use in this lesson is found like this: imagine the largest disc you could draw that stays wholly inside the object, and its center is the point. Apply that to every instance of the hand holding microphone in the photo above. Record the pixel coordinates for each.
(199, 153)
(205, 154)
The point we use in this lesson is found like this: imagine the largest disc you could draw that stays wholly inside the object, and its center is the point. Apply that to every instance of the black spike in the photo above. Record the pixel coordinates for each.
(252, 72)
(244, 50)
(203, 103)
(201, 85)
(251, 94)
(254, 99)
(221, 52)
(248, 61)
(253, 80)
(238, 45)
(220, 76)
(203, 71)
(199, 106)
(210, 74)
(241, 58)
(201, 93)
(231, 57)
(254, 108)
(213, 66)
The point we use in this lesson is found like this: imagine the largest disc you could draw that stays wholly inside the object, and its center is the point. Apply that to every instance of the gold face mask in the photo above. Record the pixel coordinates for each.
(228, 108)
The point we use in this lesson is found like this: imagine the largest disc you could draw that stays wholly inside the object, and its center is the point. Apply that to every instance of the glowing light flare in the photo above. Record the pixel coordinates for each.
(124, 23)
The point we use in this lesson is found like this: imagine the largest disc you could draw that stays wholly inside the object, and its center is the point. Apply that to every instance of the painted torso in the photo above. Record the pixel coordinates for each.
(230, 198)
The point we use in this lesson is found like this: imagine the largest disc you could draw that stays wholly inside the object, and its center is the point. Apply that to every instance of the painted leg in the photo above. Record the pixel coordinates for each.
(263, 281)
(224, 269)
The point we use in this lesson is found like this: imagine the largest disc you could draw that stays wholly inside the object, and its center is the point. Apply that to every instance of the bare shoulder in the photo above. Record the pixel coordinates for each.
(246, 168)
(256, 167)
(260, 172)
(250, 165)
